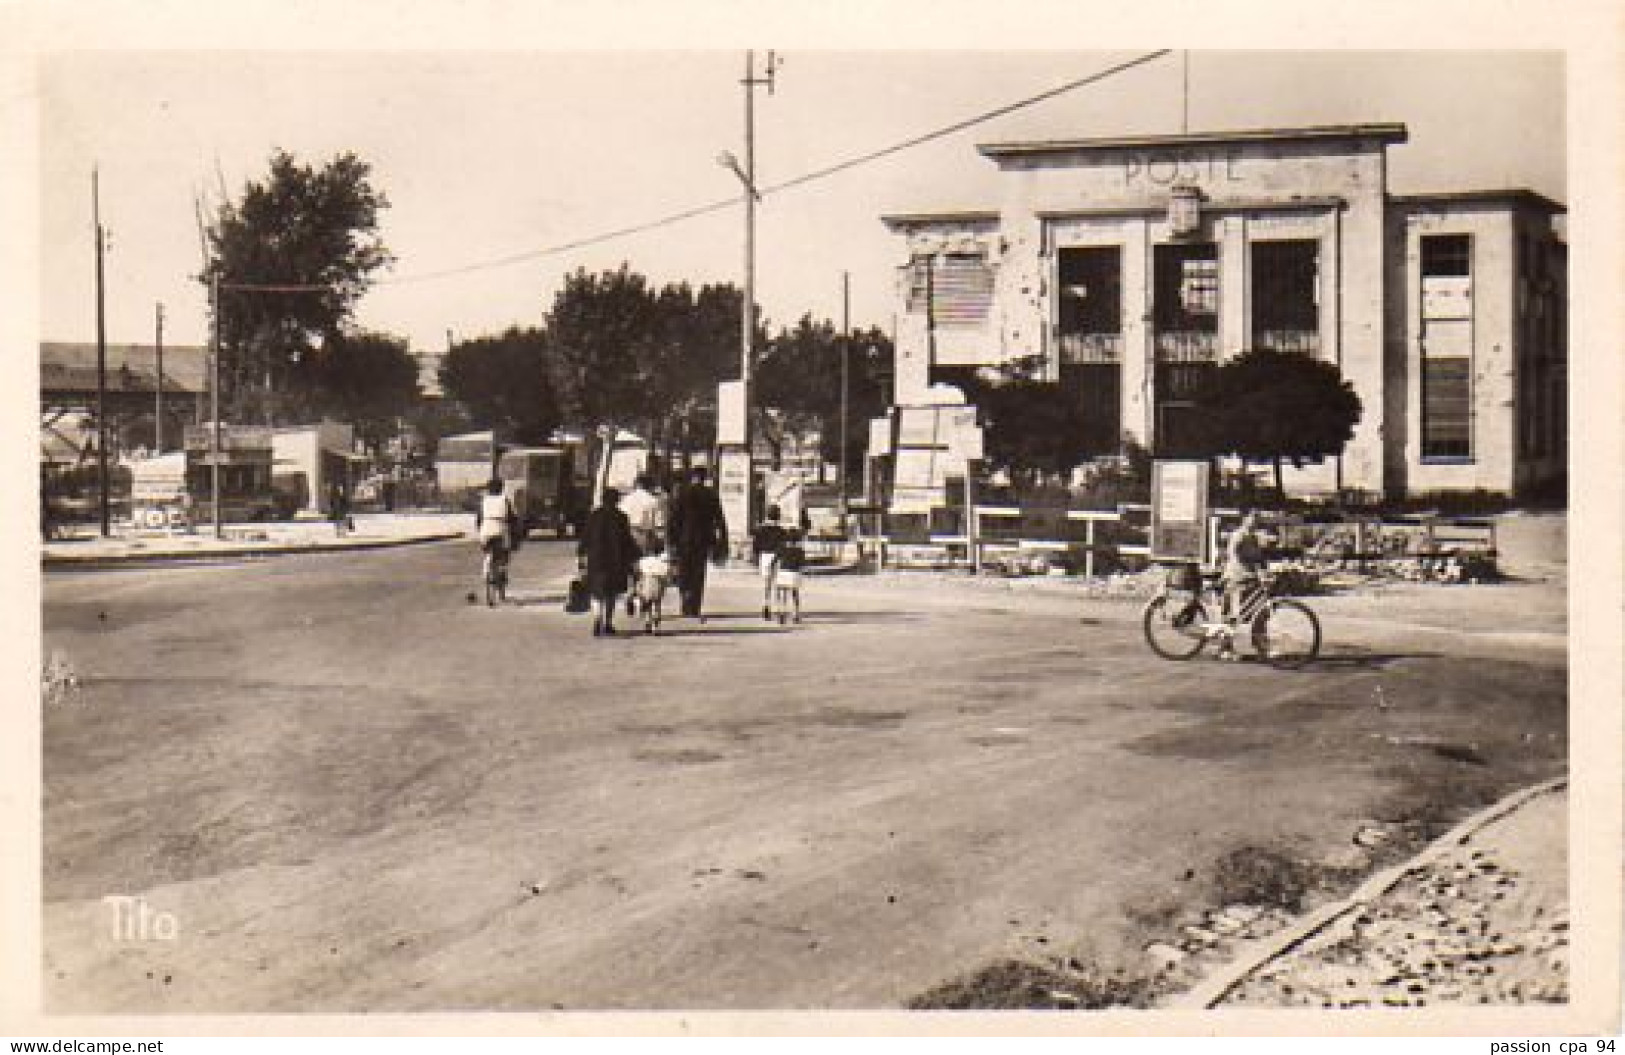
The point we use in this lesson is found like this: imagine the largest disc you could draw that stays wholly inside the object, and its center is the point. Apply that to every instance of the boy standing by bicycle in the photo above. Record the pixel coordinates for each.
(1241, 575)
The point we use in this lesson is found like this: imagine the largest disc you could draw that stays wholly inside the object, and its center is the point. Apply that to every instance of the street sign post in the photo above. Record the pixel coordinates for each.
(733, 491)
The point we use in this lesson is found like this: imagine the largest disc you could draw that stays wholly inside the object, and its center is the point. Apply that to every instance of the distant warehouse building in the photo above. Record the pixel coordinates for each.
(1126, 270)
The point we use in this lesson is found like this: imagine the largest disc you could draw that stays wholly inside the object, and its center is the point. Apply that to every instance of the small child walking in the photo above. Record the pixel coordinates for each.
(787, 584)
(654, 574)
(766, 543)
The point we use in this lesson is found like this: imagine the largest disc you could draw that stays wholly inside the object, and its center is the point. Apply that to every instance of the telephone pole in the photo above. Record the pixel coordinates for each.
(101, 357)
(158, 412)
(747, 314)
(1185, 92)
(747, 324)
(846, 354)
(214, 401)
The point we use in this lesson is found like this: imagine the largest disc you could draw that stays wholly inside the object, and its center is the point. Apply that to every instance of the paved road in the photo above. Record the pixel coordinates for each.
(346, 788)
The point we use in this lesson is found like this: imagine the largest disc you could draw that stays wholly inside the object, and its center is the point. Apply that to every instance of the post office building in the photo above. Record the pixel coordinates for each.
(1127, 270)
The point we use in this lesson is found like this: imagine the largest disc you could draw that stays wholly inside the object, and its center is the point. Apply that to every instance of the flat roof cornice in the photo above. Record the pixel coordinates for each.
(928, 219)
(1388, 132)
(1508, 195)
(1216, 205)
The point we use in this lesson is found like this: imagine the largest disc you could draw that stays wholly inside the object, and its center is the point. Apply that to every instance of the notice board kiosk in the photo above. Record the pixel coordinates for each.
(1179, 512)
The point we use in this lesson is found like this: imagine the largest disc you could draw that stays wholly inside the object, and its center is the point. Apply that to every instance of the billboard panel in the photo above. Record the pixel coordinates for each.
(1179, 510)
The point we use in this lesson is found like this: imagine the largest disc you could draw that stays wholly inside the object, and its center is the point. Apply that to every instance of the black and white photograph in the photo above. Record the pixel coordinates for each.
(556, 527)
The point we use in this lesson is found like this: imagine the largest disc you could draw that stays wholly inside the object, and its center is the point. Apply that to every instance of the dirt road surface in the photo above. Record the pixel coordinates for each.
(338, 786)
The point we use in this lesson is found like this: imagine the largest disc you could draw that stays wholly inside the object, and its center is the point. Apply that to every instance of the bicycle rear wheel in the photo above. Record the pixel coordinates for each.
(1175, 628)
(493, 580)
(1286, 633)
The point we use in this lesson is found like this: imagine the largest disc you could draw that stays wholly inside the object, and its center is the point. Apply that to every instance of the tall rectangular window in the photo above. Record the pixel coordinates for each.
(1089, 336)
(1447, 346)
(1185, 317)
(1178, 427)
(1286, 296)
(1090, 290)
(1187, 288)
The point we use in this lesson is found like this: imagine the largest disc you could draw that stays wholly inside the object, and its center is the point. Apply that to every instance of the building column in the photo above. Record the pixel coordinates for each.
(912, 363)
(1137, 371)
(1234, 278)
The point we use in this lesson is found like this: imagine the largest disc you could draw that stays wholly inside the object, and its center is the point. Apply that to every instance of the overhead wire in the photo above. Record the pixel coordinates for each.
(724, 203)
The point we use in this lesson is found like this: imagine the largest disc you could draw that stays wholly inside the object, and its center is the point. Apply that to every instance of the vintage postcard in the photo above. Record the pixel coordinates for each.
(906, 524)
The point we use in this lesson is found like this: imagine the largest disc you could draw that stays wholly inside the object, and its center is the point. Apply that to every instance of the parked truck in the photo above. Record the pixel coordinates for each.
(543, 486)
(547, 484)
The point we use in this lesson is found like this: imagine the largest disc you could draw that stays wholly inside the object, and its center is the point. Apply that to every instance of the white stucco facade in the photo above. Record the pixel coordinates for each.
(1091, 274)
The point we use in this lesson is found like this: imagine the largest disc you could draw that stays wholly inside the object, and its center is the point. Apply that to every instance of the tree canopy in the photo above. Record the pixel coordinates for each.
(1031, 427)
(505, 384)
(623, 355)
(367, 379)
(799, 377)
(604, 335)
(293, 255)
(1278, 406)
(697, 346)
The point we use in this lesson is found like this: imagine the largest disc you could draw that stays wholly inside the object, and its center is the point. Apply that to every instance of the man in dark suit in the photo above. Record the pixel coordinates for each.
(699, 534)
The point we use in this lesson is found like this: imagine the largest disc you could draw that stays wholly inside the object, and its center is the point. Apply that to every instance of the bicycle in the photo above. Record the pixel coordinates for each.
(1285, 632)
(494, 573)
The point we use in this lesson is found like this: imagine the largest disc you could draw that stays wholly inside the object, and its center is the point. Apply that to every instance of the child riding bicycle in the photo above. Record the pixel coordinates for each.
(497, 526)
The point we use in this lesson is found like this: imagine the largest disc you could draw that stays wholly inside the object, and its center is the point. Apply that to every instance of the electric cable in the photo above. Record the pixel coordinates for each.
(724, 203)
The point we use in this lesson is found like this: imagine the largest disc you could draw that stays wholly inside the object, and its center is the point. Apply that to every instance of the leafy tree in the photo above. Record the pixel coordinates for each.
(797, 384)
(608, 345)
(869, 374)
(505, 384)
(699, 346)
(367, 379)
(1278, 406)
(800, 378)
(305, 240)
(1030, 427)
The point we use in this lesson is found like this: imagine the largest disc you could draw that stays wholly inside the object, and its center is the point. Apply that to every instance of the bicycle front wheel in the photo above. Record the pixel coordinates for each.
(1286, 633)
(1175, 628)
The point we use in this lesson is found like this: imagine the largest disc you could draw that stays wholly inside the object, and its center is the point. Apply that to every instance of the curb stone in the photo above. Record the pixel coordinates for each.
(1211, 991)
(109, 560)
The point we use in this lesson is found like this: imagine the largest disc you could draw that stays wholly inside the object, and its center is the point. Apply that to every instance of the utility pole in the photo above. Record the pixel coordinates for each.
(1185, 92)
(203, 247)
(747, 315)
(158, 412)
(214, 401)
(846, 354)
(101, 357)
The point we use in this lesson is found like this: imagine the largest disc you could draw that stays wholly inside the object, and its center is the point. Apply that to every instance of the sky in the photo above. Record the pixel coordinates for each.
(484, 155)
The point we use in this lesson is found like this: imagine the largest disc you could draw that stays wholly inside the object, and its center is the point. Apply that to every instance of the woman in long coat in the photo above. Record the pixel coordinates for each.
(611, 554)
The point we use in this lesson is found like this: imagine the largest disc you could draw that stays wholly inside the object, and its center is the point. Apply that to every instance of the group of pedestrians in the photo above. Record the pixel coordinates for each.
(641, 542)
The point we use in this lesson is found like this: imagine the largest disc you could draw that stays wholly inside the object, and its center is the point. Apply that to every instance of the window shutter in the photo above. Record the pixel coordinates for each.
(962, 290)
(1446, 407)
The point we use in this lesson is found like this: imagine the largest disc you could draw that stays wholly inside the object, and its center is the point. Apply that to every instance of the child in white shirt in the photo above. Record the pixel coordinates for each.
(654, 573)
